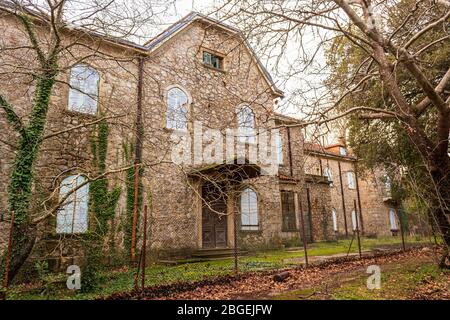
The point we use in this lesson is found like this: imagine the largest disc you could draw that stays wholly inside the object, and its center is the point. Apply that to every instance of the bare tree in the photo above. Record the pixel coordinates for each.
(41, 41)
(292, 35)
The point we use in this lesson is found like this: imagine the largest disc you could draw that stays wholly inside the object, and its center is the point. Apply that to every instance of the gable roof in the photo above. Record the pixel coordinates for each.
(317, 149)
(182, 24)
(160, 39)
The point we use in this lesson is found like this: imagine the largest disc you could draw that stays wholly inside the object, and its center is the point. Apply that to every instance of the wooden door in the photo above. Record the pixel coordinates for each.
(214, 219)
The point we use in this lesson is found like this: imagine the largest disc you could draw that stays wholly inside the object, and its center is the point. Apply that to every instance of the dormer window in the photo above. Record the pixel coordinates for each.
(343, 151)
(212, 60)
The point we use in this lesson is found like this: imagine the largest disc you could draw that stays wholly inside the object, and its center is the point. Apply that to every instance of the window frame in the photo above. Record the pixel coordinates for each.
(356, 223)
(351, 180)
(80, 92)
(393, 220)
(246, 134)
(329, 174)
(175, 111)
(280, 148)
(334, 220)
(73, 203)
(244, 226)
(212, 55)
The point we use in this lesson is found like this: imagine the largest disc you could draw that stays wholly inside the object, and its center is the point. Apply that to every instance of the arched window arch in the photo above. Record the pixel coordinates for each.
(177, 109)
(249, 210)
(246, 124)
(83, 93)
(72, 218)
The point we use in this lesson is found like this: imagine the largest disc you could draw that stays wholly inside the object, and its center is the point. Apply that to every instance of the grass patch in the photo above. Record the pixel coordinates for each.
(398, 284)
(122, 280)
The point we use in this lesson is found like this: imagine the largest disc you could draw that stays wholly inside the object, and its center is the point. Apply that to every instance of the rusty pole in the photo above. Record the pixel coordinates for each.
(302, 221)
(135, 211)
(357, 229)
(236, 248)
(144, 248)
(9, 254)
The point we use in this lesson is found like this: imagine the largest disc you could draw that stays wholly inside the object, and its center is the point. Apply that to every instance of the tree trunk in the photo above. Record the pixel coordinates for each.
(441, 205)
(22, 177)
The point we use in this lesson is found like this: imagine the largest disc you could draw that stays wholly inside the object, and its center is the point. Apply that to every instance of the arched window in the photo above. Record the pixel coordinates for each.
(72, 218)
(249, 210)
(177, 109)
(355, 221)
(83, 94)
(335, 223)
(246, 124)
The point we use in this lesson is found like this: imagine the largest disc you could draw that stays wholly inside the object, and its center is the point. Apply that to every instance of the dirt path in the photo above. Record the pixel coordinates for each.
(316, 282)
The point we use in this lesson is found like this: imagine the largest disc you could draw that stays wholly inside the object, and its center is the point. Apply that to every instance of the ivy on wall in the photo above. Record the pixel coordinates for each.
(102, 204)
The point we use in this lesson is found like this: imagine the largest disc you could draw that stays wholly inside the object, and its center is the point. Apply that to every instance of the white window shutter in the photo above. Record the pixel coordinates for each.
(73, 215)
(335, 225)
(279, 140)
(249, 210)
(393, 219)
(91, 90)
(177, 109)
(83, 94)
(351, 180)
(354, 220)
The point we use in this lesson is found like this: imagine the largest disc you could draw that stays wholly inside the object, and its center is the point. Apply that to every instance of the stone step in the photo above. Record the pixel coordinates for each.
(208, 254)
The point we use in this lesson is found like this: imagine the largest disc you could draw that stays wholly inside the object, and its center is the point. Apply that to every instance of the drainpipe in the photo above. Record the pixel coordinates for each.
(359, 197)
(343, 199)
(138, 155)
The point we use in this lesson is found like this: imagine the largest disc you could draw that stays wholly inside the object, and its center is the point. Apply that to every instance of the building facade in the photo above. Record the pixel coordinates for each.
(153, 109)
(358, 201)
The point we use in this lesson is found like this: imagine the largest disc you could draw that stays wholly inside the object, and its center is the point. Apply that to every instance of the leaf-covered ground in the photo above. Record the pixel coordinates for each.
(122, 279)
(410, 275)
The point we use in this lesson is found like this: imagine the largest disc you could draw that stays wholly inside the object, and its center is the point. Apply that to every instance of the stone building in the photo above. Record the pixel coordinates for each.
(168, 106)
(357, 201)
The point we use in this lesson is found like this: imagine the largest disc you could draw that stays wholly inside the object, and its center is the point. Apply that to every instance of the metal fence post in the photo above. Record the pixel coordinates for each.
(9, 253)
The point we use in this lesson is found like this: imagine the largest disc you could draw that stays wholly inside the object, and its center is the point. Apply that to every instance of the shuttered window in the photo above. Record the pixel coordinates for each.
(393, 219)
(177, 109)
(246, 124)
(335, 222)
(329, 174)
(288, 211)
(72, 218)
(355, 221)
(351, 180)
(83, 93)
(279, 146)
(249, 210)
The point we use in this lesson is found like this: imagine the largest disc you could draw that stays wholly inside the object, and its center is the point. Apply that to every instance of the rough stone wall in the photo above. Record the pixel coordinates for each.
(318, 219)
(374, 216)
(214, 96)
(70, 152)
(375, 210)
